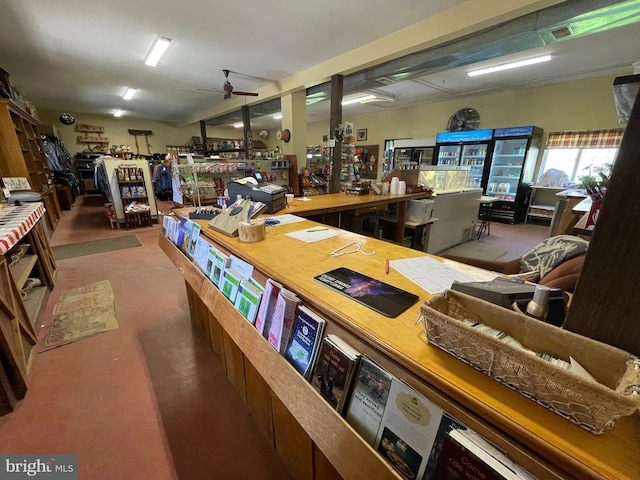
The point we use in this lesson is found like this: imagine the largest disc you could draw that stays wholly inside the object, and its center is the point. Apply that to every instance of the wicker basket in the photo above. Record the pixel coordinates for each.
(592, 405)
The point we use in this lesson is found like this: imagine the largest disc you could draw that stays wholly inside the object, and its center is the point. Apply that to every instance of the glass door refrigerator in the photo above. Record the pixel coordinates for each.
(410, 153)
(509, 176)
(470, 148)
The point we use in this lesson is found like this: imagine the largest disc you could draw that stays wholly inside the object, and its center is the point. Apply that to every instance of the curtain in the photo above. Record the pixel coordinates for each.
(586, 139)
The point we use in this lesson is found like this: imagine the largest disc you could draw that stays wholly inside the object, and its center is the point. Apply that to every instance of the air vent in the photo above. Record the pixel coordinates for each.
(562, 32)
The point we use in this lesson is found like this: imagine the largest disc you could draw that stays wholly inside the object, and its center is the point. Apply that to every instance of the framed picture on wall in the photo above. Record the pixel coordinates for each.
(362, 134)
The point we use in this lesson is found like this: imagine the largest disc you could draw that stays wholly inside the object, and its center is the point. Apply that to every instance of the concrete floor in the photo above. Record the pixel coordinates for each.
(144, 401)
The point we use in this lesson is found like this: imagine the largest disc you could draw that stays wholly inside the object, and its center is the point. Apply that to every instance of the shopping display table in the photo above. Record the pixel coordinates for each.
(309, 435)
(341, 203)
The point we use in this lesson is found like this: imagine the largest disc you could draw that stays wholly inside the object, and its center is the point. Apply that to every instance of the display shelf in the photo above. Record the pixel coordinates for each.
(282, 401)
(21, 308)
(134, 196)
(22, 155)
(542, 202)
(22, 269)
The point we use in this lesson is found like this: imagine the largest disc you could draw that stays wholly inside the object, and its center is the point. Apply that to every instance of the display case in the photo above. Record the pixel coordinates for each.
(444, 179)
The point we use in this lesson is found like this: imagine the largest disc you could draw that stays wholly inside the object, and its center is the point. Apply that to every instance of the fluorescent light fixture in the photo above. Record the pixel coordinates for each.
(358, 99)
(157, 50)
(276, 116)
(507, 66)
(377, 97)
(238, 125)
(117, 113)
(128, 95)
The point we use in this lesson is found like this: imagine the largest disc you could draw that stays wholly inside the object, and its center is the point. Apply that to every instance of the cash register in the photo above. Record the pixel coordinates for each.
(258, 190)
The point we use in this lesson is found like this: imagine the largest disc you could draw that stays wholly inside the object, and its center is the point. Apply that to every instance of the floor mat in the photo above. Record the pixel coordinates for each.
(476, 250)
(80, 249)
(81, 313)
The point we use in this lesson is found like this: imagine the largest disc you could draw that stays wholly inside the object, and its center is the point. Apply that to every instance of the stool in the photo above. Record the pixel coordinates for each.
(484, 215)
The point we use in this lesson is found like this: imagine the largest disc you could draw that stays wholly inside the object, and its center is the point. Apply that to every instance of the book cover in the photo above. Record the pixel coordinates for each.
(267, 306)
(408, 430)
(230, 284)
(201, 253)
(184, 231)
(211, 260)
(333, 373)
(248, 300)
(447, 424)
(308, 328)
(167, 222)
(192, 242)
(368, 399)
(282, 320)
(474, 457)
(220, 265)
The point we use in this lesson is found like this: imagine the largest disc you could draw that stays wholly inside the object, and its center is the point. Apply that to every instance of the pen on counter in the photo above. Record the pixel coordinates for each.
(250, 213)
(386, 266)
(316, 230)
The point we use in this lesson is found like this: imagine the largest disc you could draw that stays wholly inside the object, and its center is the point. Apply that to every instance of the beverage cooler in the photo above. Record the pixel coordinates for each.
(471, 148)
(515, 153)
(410, 153)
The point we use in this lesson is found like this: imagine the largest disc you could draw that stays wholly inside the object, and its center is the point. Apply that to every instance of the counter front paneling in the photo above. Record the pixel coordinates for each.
(541, 441)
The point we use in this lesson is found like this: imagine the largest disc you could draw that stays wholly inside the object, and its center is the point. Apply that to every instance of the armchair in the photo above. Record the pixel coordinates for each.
(554, 262)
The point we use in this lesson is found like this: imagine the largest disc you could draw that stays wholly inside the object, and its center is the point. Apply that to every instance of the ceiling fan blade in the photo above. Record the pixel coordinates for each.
(249, 94)
(213, 90)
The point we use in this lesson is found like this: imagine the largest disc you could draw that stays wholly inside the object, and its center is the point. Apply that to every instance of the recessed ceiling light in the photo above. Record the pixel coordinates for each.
(118, 113)
(157, 50)
(507, 66)
(128, 95)
(238, 125)
(276, 116)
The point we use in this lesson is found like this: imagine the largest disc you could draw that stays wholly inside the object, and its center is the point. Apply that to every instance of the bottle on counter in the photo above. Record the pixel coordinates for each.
(538, 306)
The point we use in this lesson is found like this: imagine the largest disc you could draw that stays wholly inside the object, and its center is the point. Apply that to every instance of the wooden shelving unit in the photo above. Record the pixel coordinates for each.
(134, 196)
(22, 155)
(21, 308)
(92, 138)
(542, 203)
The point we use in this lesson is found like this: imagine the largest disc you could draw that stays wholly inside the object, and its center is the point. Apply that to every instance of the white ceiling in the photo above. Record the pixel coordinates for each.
(79, 57)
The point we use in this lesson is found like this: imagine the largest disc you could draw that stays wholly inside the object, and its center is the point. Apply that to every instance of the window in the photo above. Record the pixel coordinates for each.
(577, 161)
(579, 153)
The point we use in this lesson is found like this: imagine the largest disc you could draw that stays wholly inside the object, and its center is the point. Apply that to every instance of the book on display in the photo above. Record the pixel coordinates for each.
(333, 374)
(282, 320)
(306, 336)
(267, 306)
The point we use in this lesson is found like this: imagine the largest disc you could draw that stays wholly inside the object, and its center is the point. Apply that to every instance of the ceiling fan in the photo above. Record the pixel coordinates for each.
(227, 88)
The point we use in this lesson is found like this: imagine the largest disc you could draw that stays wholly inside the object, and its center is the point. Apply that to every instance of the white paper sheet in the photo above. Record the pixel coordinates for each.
(314, 234)
(429, 274)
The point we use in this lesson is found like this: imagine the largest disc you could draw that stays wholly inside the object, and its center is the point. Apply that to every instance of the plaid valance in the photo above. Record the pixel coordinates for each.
(586, 139)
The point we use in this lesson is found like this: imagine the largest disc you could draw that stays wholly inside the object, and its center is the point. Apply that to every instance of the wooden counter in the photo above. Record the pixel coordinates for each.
(310, 436)
(322, 205)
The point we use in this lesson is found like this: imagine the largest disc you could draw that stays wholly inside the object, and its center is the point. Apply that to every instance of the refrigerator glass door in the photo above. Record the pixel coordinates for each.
(506, 168)
(423, 155)
(449, 155)
(474, 156)
(401, 158)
